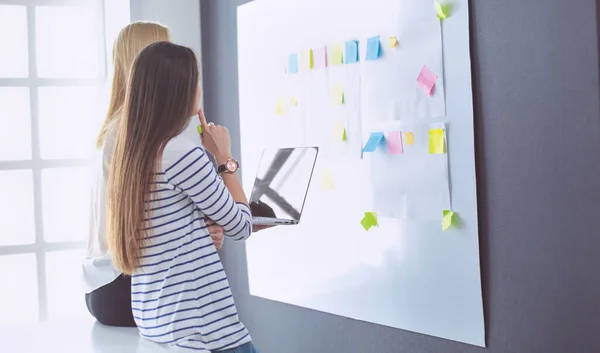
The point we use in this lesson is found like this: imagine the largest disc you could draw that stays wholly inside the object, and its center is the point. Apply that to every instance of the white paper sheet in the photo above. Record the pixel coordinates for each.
(412, 185)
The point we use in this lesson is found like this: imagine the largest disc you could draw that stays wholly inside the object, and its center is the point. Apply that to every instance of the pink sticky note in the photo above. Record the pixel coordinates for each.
(394, 142)
(426, 81)
(320, 57)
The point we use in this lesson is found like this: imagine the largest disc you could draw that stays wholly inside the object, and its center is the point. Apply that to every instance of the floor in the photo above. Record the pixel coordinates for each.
(81, 336)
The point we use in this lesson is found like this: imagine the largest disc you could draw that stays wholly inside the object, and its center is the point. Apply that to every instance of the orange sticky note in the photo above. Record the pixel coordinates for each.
(410, 138)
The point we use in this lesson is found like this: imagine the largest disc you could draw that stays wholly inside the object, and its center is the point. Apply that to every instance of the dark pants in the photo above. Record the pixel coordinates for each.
(111, 304)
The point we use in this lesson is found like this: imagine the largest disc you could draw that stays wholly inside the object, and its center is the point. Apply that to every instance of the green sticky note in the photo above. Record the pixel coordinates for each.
(442, 10)
(437, 144)
(369, 220)
(447, 220)
(337, 96)
(199, 129)
(337, 56)
(344, 137)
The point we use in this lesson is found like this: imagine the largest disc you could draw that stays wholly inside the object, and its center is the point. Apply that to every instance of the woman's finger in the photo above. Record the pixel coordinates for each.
(202, 118)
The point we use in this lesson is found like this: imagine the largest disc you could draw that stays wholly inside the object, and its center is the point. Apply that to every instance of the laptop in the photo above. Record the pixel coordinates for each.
(281, 185)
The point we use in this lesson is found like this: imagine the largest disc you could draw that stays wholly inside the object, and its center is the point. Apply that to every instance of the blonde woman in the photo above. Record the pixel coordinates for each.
(108, 292)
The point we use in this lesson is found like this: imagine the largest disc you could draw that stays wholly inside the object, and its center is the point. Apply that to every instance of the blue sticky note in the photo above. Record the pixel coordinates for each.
(292, 66)
(351, 52)
(374, 141)
(373, 48)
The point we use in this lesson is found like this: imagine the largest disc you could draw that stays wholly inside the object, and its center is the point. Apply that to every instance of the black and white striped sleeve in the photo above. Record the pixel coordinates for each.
(194, 174)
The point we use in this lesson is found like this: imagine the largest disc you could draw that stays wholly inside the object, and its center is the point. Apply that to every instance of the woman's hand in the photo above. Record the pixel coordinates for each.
(216, 233)
(216, 139)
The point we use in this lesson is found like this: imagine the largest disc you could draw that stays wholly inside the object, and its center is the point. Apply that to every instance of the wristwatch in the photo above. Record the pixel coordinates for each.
(230, 166)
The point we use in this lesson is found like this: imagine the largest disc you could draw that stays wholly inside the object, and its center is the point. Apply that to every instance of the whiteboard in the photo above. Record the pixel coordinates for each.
(406, 273)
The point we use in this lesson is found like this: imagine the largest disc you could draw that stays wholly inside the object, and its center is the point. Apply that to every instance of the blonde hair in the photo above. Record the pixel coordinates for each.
(131, 40)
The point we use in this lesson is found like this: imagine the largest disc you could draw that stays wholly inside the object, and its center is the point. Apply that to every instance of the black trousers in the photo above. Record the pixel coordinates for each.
(111, 304)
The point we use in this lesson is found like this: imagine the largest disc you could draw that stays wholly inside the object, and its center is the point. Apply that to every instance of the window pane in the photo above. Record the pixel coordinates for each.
(19, 294)
(15, 123)
(64, 283)
(66, 204)
(14, 60)
(66, 117)
(66, 42)
(17, 221)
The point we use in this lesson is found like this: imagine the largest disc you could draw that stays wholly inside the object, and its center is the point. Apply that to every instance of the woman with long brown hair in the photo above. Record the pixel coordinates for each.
(108, 292)
(161, 188)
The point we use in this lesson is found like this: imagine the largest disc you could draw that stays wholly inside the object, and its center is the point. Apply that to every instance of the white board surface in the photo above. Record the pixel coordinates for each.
(406, 273)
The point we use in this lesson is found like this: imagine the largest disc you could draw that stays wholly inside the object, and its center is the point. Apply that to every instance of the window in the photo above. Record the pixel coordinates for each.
(52, 80)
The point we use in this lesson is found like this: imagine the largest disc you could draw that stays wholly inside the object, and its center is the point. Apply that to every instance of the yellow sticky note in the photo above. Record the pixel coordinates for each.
(281, 108)
(307, 59)
(337, 95)
(294, 102)
(337, 56)
(437, 143)
(393, 42)
(327, 180)
(447, 220)
(441, 10)
(340, 130)
(409, 137)
(199, 128)
(369, 220)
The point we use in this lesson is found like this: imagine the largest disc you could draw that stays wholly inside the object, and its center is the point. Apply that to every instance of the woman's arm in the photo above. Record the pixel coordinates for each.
(194, 174)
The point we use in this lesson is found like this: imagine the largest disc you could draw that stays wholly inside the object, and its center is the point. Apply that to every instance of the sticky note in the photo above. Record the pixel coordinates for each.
(320, 58)
(426, 81)
(393, 42)
(340, 131)
(281, 108)
(369, 220)
(337, 95)
(437, 143)
(327, 180)
(307, 59)
(447, 220)
(373, 48)
(294, 102)
(351, 52)
(410, 138)
(394, 142)
(374, 141)
(337, 56)
(292, 65)
(199, 128)
(442, 11)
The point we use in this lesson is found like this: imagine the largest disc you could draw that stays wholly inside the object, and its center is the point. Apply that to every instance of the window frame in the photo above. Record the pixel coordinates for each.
(36, 164)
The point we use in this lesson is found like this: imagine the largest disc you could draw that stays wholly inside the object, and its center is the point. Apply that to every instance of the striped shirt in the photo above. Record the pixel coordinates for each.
(180, 294)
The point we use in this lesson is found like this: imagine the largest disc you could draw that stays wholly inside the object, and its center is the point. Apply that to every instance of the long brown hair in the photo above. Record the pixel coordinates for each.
(131, 40)
(160, 99)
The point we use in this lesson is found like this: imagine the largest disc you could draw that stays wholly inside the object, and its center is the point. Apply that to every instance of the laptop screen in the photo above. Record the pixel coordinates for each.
(282, 182)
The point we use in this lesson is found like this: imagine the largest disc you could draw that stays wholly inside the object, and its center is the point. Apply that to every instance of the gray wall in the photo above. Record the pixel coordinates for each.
(537, 115)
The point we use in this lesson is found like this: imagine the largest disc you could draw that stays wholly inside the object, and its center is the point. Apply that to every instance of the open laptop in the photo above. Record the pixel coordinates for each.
(281, 185)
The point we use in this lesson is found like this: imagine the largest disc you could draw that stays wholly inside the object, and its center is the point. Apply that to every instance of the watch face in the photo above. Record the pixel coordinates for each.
(231, 165)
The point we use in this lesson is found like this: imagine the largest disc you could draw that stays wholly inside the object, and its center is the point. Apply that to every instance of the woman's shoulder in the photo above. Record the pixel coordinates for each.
(180, 148)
